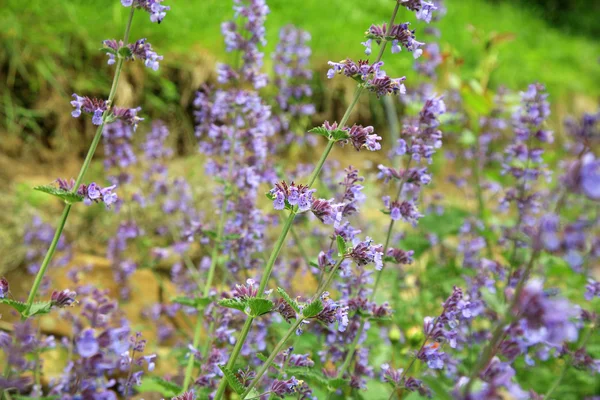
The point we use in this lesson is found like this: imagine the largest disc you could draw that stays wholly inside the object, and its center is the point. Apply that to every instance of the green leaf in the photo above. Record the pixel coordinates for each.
(319, 130)
(288, 299)
(440, 391)
(38, 308)
(17, 397)
(125, 52)
(339, 134)
(108, 50)
(270, 196)
(341, 245)
(254, 394)
(255, 307)
(66, 196)
(41, 307)
(261, 357)
(236, 303)
(232, 380)
(156, 384)
(336, 383)
(312, 309)
(308, 374)
(196, 302)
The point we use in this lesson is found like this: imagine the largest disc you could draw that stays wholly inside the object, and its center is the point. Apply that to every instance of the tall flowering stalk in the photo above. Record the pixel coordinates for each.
(298, 199)
(104, 112)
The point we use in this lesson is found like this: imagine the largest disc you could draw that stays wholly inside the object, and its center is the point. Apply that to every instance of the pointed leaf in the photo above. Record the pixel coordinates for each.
(339, 134)
(236, 303)
(288, 299)
(66, 196)
(38, 308)
(256, 307)
(313, 376)
(313, 309)
(341, 245)
(196, 302)
(156, 384)
(232, 380)
(125, 52)
(336, 383)
(320, 130)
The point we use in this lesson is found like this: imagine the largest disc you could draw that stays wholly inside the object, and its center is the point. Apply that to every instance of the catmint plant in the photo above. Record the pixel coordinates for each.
(103, 112)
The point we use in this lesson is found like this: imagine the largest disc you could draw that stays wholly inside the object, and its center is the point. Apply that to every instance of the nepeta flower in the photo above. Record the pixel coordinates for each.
(4, 288)
(592, 289)
(91, 106)
(360, 136)
(401, 256)
(366, 252)
(87, 345)
(245, 35)
(423, 8)
(333, 312)
(140, 49)
(91, 193)
(185, 396)
(299, 195)
(245, 291)
(283, 388)
(399, 34)
(371, 76)
(127, 115)
(154, 7)
(63, 298)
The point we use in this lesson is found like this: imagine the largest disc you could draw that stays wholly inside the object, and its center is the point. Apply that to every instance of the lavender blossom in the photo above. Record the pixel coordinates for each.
(153, 7)
(399, 34)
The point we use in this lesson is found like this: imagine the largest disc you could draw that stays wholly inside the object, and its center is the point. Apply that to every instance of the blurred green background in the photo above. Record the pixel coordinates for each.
(50, 50)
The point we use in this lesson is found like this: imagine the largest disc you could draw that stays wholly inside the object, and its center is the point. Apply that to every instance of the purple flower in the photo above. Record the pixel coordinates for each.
(283, 388)
(423, 8)
(592, 289)
(63, 298)
(154, 7)
(399, 34)
(93, 106)
(140, 49)
(366, 252)
(4, 288)
(373, 78)
(590, 176)
(86, 344)
(295, 195)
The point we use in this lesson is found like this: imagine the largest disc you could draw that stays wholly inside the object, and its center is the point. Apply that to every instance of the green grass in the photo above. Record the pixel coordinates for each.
(567, 64)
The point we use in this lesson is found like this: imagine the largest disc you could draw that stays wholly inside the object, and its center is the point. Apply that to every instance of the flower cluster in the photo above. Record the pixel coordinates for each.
(91, 193)
(246, 38)
(360, 136)
(371, 76)
(424, 9)
(99, 107)
(141, 49)
(153, 7)
(293, 195)
(399, 34)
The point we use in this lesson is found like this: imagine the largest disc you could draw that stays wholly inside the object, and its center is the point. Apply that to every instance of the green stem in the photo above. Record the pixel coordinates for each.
(291, 331)
(489, 351)
(234, 354)
(190, 365)
(82, 172)
(272, 356)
